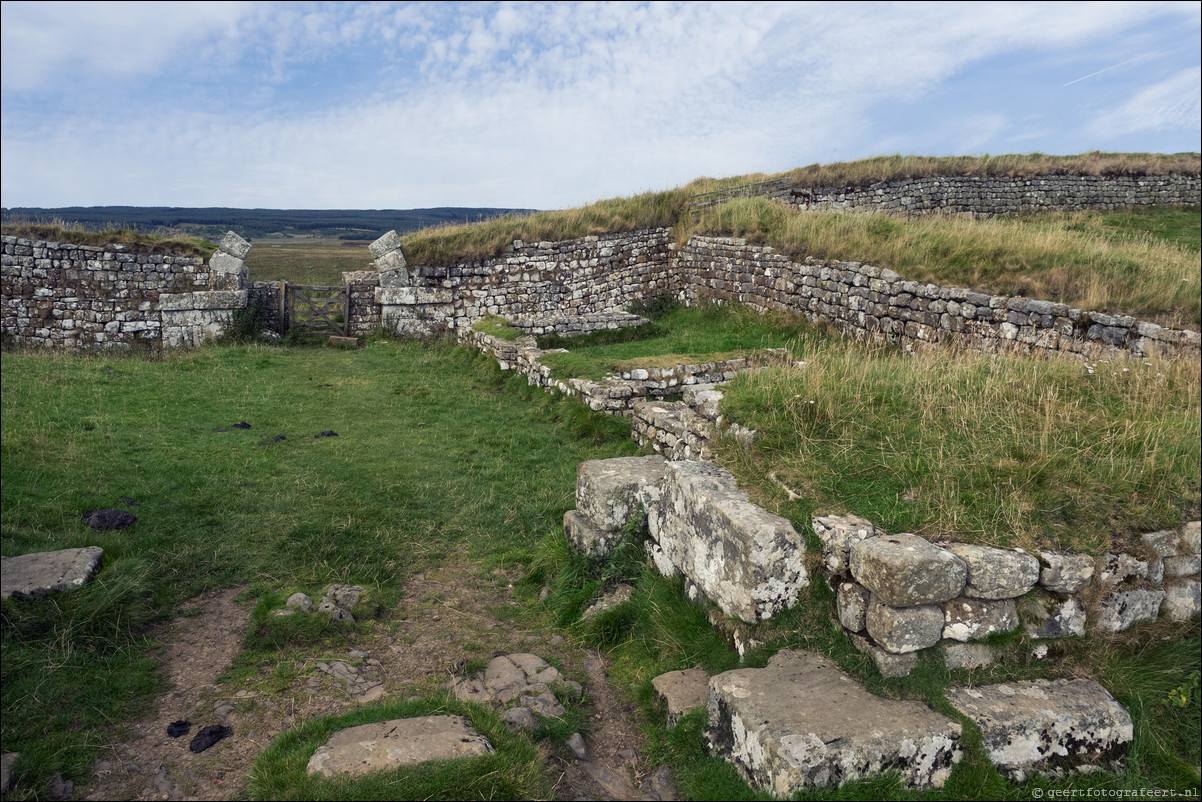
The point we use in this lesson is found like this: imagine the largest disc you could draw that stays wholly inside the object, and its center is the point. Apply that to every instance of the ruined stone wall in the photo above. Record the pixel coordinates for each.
(78, 296)
(984, 196)
(267, 295)
(876, 303)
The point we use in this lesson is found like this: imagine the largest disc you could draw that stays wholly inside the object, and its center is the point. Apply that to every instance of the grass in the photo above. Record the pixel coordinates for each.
(497, 327)
(141, 243)
(314, 262)
(678, 336)
(486, 470)
(1088, 260)
(1003, 451)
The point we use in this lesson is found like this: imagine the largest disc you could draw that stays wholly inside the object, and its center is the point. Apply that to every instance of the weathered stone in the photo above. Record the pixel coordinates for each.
(389, 242)
(520, 718)
(800, 723)
(393, 270)
(335, 612)
(506, 678)
(8, 761)
(544, 703)
(102, 520)
(682, 691)
(1120, 610)
(904, 629)
(996, 573)
(852, 603)
(838, 533)
(1191, 538)
(586, 537)
(904, 570)
(234, 245)
(1046, 725)
(966, 619)
(1118, 568)
(410, 296)
(968, 655)
(1066, 619)
(1065, 573)
(1163, 543)
(1186, 565)
(300, 601)
(746, 560)
(577, 746)
(345, 596)
(615, 598)
(1182, 600)
(399, 742)
(42, 573)
(890, 665)
(611, 492)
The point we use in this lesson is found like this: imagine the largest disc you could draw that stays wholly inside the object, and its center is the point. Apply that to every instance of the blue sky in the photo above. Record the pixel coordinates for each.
(549, 105)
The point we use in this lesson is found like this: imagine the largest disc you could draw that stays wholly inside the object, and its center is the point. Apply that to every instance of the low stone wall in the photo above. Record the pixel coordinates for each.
(77, 296)
(985, 196)
(899, 594)
(874, 303)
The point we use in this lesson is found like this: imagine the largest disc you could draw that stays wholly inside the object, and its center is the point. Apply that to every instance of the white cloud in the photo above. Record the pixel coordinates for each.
(1175, 102)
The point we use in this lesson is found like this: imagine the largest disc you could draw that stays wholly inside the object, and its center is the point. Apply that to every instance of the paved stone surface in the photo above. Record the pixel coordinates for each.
(800, 723)
(905, 570)
(399, 742)
(1046, 725)
(42, 573)
(682, 691)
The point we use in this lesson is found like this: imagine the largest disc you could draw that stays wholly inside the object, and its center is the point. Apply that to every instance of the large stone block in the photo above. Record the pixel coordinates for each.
(996, 573)
(1120, 610)
(682, 691)
(1182, 600)
(411, 296)
(1046, 725)
(400, 742)
(1065, 619)
(386, 244)
(743, 558)
(234, 245)
(30, 576)
(904, 570)
(966, 619)
(800, 723)
(1065, 573)
(904, 629)
(611, 492)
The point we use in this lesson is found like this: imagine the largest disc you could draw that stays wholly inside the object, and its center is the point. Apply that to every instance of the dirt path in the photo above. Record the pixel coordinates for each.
(447, 617)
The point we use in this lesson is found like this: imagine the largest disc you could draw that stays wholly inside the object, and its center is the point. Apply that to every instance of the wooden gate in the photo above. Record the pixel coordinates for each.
(317, 311)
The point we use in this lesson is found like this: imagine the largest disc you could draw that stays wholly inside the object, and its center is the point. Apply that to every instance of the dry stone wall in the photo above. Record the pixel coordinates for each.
(77, 296)
(875, 303)
(985, 196)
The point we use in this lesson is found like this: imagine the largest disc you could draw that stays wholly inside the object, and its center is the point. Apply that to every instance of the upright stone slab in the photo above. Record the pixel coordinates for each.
(1046, 725)
(611, 492)
(228, 266)
(390, 261)
(905, 570)
(399, 742)
(801, 723)
(42, 573)
(745, 559)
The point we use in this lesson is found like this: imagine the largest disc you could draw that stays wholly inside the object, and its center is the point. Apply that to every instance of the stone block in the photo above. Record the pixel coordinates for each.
(838, 533)
(234, 245)
(800, 724)
(966, 619)
(1065, 573)
(1191, 538)
(904, 629)
(1185, 565)
(1182, 600)
(746, 560)
(682, 691)
(1046, 725)
(400, 742)
(1120, 610)
(388, 243)
(996, 573)
(890, 665)
(851, 601)
(42, 573)
(611, 493)
(1066, 619)
(905, 570)
(1163, 543)
(968, 655)
(411, 296)
(587, 537)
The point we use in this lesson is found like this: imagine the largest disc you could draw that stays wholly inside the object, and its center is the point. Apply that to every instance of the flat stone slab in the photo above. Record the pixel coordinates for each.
(1046, 726)
(399, 742)
(42, 573)
(682, 691)
(801, 723)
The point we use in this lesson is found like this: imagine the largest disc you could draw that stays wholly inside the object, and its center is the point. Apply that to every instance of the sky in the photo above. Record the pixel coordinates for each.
(382, 105)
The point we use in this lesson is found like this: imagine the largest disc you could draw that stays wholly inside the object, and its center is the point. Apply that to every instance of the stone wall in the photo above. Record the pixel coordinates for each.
(984, 196)
(78, 296)
(875, 303)
(899, 594)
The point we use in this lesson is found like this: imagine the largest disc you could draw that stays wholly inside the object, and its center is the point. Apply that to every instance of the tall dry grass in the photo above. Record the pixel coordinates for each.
(1068, 258)
(61, 231)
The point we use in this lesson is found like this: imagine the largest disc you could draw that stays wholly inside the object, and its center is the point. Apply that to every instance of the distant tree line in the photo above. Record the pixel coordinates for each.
(212, 223)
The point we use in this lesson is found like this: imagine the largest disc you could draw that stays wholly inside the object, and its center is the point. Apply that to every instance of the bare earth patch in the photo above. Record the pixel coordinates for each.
(449, 617)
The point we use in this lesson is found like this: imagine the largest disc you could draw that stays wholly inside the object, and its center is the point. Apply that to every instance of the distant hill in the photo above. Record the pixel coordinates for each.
(212, 223)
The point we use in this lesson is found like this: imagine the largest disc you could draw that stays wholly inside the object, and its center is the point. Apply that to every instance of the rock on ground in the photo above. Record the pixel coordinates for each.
(42, 573)
(399, 742)
(682, 691)
(802, 723)
(1046, 725)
